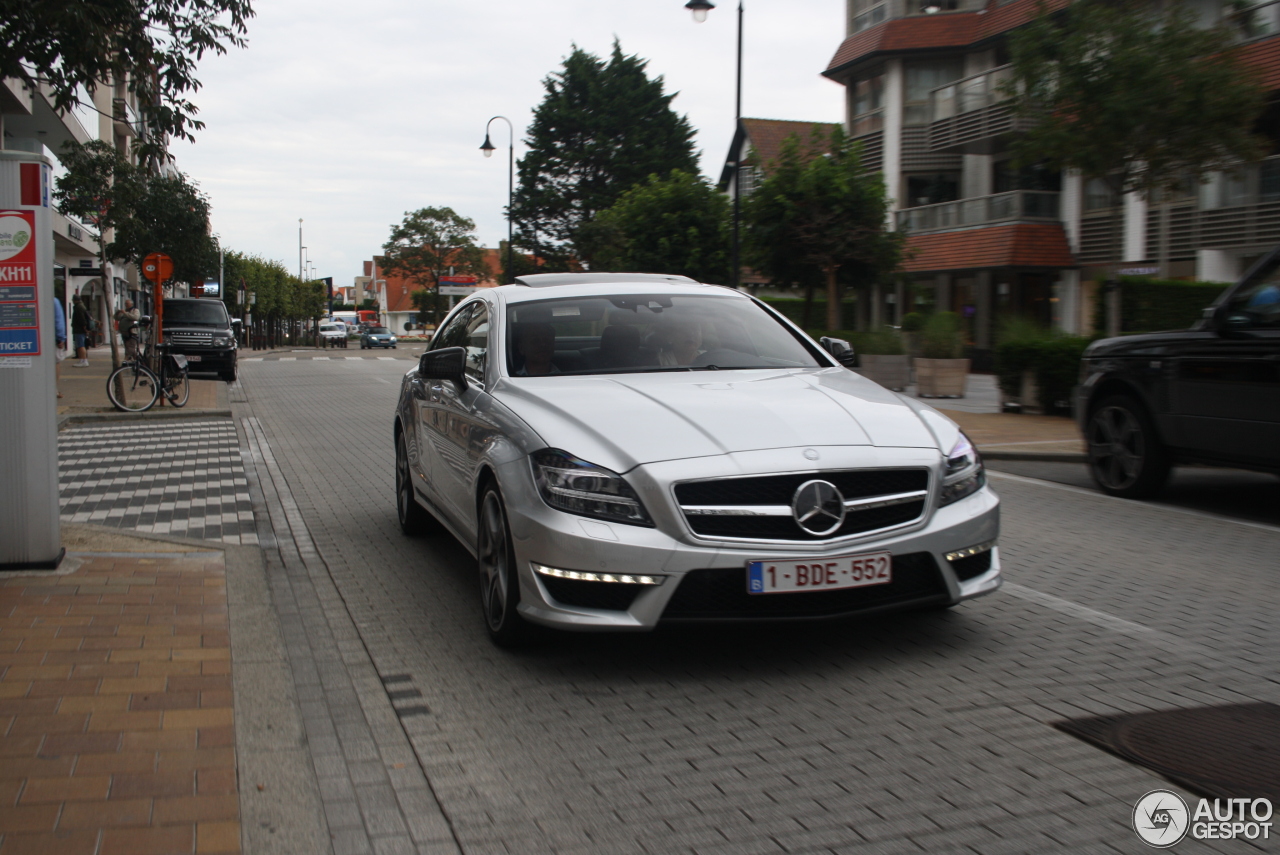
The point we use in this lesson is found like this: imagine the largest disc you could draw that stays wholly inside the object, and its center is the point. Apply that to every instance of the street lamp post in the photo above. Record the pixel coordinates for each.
(700, 8)
(488, 150)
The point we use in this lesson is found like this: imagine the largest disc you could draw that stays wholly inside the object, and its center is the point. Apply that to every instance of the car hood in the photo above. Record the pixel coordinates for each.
(625, 420)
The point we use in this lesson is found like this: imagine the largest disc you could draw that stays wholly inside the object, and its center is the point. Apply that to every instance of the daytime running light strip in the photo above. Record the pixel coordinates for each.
(970, 551)
(625, 579)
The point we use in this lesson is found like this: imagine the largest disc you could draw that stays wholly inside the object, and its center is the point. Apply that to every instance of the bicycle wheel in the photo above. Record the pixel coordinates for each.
(132, 388)
(177, 389)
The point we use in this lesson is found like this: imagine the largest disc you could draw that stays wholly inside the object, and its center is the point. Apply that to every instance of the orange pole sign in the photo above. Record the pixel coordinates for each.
(157, 267)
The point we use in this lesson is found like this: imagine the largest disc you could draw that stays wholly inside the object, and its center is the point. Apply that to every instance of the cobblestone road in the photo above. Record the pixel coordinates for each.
(912, 733)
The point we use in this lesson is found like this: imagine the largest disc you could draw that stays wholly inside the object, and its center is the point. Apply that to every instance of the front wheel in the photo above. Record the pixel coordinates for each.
(132, 388)
(414, 519)
(177, 388)
(499, 579)
(1126, 457)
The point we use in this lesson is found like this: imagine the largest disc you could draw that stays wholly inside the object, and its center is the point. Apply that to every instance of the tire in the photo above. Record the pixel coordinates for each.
(499, 579)
(227, 376)
(177, 390)
(131, 388)
(1126, 457)
(414, 519)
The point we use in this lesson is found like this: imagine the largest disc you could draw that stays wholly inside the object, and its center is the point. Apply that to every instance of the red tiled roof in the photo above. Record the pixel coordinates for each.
(1265, 57)
(400, 290)
(1019, 245)
(767, 136)
(934, 32)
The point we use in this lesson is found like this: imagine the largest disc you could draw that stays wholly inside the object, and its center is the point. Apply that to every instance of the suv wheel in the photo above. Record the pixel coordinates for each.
(1126, 458)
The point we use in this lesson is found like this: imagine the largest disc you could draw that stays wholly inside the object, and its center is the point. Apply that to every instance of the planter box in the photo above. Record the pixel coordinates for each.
(942, 378)
(891, 372)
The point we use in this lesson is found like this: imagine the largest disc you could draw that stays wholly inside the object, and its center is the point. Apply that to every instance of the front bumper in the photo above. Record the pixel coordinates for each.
(715, 570)
(202, 360)
(373, 342)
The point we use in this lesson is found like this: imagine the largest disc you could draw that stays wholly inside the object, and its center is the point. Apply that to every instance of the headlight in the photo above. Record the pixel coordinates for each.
(578, 487)
(221, 340)
(964, 474)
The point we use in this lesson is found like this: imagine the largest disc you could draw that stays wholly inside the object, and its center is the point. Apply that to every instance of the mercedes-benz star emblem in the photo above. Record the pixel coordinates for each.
(818, 507)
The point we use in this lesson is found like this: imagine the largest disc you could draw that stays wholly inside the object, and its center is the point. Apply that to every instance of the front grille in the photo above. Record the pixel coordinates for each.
(205, 339)
(615, 596)
(973, 566)
(722, 594)
(778, 490)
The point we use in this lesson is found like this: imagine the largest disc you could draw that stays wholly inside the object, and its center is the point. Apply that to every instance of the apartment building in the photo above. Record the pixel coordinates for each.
(922, 82)
(29, 122)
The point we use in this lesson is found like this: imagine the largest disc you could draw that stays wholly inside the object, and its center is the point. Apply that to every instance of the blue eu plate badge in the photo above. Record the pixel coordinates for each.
(755, 577)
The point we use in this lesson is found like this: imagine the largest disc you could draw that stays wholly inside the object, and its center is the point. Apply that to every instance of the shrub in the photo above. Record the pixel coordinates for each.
(942, 337)
(1053, 356)
(912, 322)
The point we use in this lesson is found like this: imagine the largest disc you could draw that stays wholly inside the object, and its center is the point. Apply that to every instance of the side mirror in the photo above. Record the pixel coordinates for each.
(448, 363)
(1228, 323)
(841, 350)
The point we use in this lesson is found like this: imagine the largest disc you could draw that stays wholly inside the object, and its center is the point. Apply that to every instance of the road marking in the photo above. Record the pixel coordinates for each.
(1204, 515)
(387, 358)
(381, 380)
(287, 359)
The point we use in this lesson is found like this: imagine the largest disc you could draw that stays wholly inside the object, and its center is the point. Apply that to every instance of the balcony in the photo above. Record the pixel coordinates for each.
(126, 120)
(971, 116)
(1017, 206)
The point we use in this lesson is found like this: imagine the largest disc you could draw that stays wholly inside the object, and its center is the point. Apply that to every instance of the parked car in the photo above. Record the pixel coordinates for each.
(1208, 395)
(377, 337)
(620, 449)
(336, 331)
(203, 332)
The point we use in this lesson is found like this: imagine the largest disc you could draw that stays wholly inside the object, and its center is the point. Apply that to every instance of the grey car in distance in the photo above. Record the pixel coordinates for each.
(620, 450)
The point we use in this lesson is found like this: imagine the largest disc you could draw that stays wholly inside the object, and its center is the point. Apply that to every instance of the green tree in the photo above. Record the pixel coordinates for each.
(673, 224)
(169, 215)
(601, 128)
(153, 45)
(427, 245)
(820, 211)
(99, 186)
(1137, 97)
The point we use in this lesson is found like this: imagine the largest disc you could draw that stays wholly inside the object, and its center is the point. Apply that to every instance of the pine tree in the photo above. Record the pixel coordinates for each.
(602, 128)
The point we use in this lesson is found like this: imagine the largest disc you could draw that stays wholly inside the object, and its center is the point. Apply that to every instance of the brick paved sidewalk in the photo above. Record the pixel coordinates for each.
(84, 391)
(116, 720)
(1012, 436)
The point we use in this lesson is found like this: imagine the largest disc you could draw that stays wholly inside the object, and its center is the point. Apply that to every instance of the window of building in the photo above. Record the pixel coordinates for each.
(866, 103)
(921, 79)
(1005, 178)
(1098, 195)
(932, 188)
(865, 14)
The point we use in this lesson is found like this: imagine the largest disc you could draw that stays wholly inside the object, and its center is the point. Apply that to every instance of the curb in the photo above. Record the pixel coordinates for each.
(91, 418)
(1041, 456)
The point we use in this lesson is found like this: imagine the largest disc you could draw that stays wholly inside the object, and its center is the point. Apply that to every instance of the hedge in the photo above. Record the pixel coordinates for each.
(1153, 305)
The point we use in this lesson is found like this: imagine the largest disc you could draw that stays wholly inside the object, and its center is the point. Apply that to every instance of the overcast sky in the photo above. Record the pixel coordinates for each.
(349, 114)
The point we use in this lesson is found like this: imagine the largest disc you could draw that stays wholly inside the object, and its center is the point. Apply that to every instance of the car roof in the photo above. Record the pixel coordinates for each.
(546, 280)
(597, 286)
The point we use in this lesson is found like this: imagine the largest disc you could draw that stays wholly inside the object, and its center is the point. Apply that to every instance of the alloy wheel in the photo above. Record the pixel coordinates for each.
(493, 557)
(1117, 447)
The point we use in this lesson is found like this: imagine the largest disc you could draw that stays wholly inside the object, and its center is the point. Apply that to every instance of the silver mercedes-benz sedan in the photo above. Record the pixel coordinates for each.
(620, 450)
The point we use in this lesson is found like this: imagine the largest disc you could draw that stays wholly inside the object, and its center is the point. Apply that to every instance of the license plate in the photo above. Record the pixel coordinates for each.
(828, 574)
(193, 359)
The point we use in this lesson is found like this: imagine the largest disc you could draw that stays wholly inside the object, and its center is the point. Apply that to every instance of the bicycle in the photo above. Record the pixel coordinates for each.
(139, 387)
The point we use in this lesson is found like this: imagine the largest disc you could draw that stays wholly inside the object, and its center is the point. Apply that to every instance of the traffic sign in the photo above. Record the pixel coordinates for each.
(157, 267)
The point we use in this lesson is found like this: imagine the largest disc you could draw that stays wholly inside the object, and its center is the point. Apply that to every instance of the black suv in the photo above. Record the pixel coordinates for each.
(203, 332)
(1209, 395)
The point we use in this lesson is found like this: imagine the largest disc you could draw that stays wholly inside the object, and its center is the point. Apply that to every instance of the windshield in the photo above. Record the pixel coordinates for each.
(195, 312)
(645, 333)
(378, 331)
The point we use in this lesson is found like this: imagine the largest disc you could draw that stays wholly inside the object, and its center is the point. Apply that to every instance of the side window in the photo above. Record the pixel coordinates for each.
(1259, 305)
(454, 331)
(477, 341)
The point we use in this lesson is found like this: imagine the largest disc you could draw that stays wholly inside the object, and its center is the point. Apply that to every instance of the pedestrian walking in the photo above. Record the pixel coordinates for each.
(127, 324)
(81, 324)
(60, 337)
